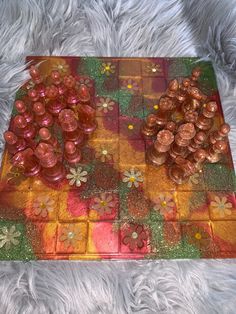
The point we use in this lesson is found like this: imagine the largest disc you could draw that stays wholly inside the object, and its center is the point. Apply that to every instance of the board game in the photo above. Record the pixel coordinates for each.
(113, 204)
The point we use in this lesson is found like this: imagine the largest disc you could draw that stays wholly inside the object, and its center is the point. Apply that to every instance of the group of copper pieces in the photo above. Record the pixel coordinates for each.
(53, 100)
(184, 146)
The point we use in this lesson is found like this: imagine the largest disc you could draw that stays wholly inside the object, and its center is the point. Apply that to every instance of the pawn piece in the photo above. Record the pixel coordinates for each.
(14, 144)
(205, 119)
(191, 116)
(72, 97)
(171, 126)
(53, 170)
(196, 72)
(166, 107)
(51, 92)
(47, 137)
(69, 125)
(35, 75)
(41, 90)
(69, 81)
(220, 134)
(149, 127)
(198, 158)
(33, 94)
(43, 118)
(84, 95)
(87, 122)
(55, 106)
(157, 153)
(28, 161)
(215, 150)
(56, 77)
(182, 139)
(172, 89)
(22, 109)
(193, 101)
(22, 128)
(72, 153)
(197, 141)
(181, 170)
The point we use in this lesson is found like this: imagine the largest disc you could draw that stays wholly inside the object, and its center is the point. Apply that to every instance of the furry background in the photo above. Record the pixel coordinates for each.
(205, 28)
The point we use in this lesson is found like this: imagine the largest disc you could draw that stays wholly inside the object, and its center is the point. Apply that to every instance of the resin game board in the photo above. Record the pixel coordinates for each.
(124, 208)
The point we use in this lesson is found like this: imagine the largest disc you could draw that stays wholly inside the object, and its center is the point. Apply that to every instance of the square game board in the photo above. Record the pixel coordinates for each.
(126, 209)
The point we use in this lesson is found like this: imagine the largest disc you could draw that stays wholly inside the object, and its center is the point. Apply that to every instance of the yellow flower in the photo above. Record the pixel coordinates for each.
(221, 207)
(8, 236)
(108, 68)
(133, 177)
(130, 85)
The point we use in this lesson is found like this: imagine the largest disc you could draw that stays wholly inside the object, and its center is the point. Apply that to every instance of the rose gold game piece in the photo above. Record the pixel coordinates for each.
(14, 144)
(43, 118)
(197, 141)
(22, 109)
(149, 127)
(191, 116)
(205, 119)
(220, 134)
(72, 153)
(166, 107)
(27, 161)
(87, 122)
(69, 125)
(22, 128)
(215, 150)
(196, 73)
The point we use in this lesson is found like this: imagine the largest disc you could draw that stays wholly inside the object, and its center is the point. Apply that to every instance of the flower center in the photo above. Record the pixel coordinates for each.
(60, 66)
(163, 204)
(155, 107)
(134, 235)
(105, 105)
(104, 152)
(198, 236)
(221, 206)
(103, 203)
(132, 179)
(70, 235)
(154, 70)
(130, 126)
(129, 86)
(107, 67)
(43, 205)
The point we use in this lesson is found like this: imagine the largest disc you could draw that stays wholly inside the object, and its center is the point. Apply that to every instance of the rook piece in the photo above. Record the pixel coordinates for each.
(149, 127)
(22, 128)
(28, 161)
(219, 134)
(157, 153)
(72, 153)
(53, 170)
(69, 126)
(22, 109)
(43, 118)
(205, 119)
(215, 150)
(14, 144)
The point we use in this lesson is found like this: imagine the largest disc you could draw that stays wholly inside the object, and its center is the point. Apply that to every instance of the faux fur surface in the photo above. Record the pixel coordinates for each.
(206, 28)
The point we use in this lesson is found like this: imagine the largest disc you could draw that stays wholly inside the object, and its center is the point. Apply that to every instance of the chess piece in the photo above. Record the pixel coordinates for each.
(41, 90)
(51, 92)
(157, 153)
(47, 137)
(205, 119)
(220, 134)
(184, 86)
(27, 160)
(182, 139)
(35, 75)
(166, 107)
(87, 122)
(172, 89)
(69, 125)
(149, 127)
(72, 153)
(22, 128)
(215, 151)
(181, 170)
(171, 126)
(42, 117)
(197, 141)
(196, 73)
(61, 89)
(69, 81)
(191, 116)
(55, 103)
(198, 158)
(84, 95)
(193, 101)
(22, 109)
(33, 94)
(53, 170)
(56, 77)
(14, 144)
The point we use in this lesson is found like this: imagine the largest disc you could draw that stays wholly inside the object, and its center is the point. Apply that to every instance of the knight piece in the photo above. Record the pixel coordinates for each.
(72, 153)
(69, 125)
(27, 160)
(157, 153)
(197, 141)
(220, 134)
(22, 109)
(43, 118)
(22, 128)
(14, 144)
(53, 170)
(182, 139)
(215, 150)
(205, 119)
(149, 126)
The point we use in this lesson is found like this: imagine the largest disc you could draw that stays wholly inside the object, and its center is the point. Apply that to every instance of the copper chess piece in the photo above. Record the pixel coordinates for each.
(220, 134)
(14, 144)
(22, 128)
(198, 158)
(27, 160)
(197, 141)
(53, 170)
(191, 116)
(196, 73)
(42, 117)
(172, 89)
(22, 109)
(69, 126)
(157, 153)
(166, 107)
(171, 126)
(149, 127)
(87, 122)
(181, 170)
(205, 119)
(72, 153)
(215, 151)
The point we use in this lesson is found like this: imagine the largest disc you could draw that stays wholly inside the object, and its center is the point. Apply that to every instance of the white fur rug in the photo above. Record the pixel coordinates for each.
(205, 28)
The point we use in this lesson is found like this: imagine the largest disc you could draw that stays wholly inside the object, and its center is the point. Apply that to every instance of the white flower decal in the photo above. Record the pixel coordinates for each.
(133, 177)
(221, 207)
(164, 204)
(77, 176)
(105, 104)
(8, 236)
(71, 235)
(43, 205)
(103, 204)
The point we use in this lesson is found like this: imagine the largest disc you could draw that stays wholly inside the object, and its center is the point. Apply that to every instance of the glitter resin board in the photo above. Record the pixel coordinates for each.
(124, 208)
